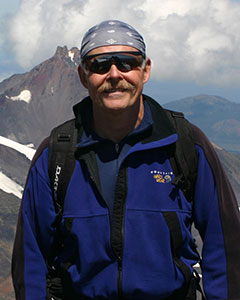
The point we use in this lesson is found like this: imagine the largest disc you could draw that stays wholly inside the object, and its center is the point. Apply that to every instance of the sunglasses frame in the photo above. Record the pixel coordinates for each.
(137, 53)
(115, 53)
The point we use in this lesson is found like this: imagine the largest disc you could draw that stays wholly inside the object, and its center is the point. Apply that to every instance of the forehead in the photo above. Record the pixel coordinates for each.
(112, 48)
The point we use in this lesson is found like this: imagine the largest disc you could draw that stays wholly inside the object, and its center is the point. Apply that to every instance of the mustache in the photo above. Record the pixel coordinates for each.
(110, 87)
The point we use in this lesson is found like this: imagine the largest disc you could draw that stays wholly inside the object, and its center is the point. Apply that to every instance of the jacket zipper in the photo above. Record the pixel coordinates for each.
(117, 152)
(117, 238)
(119, 252)
(117, 228)
(120, 292)
(120, 257)
(117, 148)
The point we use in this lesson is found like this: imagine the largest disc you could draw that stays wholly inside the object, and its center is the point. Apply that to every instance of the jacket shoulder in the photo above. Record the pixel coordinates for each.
(44, 144)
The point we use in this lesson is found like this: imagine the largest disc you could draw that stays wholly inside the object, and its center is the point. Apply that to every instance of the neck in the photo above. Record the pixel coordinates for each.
(117, 125)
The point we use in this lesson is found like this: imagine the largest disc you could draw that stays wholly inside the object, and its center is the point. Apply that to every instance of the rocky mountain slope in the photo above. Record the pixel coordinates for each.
(8, 216)
(33, 103)
(15, 160)
(231, 164)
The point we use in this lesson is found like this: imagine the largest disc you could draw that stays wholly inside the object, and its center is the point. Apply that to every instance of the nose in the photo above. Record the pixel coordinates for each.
(114, 73)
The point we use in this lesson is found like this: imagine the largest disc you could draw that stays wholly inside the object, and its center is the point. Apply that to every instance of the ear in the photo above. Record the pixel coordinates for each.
(147, 70)
(82, 76)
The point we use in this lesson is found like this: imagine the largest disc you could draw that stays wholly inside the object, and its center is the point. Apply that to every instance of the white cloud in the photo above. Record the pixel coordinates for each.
(187, 40)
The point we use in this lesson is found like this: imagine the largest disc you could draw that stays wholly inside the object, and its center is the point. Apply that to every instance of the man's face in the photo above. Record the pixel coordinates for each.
(115, 90)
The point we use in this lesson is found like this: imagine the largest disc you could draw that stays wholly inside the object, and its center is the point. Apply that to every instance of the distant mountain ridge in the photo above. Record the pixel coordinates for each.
(219, 118)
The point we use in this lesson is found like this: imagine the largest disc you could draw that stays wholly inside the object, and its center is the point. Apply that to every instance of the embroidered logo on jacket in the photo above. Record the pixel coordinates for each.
(161, 176)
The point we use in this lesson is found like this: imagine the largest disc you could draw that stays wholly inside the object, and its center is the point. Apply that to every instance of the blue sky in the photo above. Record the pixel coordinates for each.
(194, 45)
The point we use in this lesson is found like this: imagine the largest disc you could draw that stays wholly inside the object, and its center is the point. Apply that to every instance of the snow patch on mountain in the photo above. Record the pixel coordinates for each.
(24, 149)
(9, 186)
(71, 55)
(25, 95)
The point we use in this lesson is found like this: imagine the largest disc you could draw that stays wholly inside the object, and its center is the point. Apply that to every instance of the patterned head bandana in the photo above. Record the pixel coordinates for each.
(112, 32)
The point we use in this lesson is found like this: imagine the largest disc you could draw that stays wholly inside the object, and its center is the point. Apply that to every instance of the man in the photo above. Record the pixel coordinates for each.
(115, 241)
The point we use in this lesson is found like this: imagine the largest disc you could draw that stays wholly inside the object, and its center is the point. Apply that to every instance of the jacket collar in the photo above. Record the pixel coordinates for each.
(161, 128)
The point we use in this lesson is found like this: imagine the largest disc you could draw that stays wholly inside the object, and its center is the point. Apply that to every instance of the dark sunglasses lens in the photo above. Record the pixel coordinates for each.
(124, 63)
(100, 65)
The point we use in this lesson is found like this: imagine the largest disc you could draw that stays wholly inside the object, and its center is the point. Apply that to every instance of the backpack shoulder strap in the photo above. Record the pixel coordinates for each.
(61, 161)
(184, 159)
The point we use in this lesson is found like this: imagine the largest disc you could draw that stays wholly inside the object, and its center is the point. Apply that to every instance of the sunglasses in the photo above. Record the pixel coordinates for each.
(124, 61)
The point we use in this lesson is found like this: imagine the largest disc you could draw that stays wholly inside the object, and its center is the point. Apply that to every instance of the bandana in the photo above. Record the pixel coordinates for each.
(112, 32)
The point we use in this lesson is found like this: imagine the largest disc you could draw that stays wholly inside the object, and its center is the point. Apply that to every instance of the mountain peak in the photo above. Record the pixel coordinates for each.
(73, 53)
(42, 97)
(61, 50)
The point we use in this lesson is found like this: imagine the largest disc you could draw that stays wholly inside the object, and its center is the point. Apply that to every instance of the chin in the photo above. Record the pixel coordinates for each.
(115, 108)
(116, 101)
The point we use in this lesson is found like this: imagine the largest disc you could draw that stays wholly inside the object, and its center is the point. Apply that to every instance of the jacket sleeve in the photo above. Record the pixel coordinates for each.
(217, 218)
(34, 233)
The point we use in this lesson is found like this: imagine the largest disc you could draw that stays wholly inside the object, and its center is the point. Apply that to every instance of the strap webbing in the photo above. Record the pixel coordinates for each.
(172, 221)
(184, 159)
(62, 148)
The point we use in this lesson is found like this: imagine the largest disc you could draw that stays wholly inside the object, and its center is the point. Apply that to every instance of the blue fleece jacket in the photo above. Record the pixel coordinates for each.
(130, 255)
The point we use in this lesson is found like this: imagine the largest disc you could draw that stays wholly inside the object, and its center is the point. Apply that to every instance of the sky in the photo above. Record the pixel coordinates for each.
(194, 45)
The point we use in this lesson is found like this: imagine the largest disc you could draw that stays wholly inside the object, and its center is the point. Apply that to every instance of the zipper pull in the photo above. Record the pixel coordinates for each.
(117, 148)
